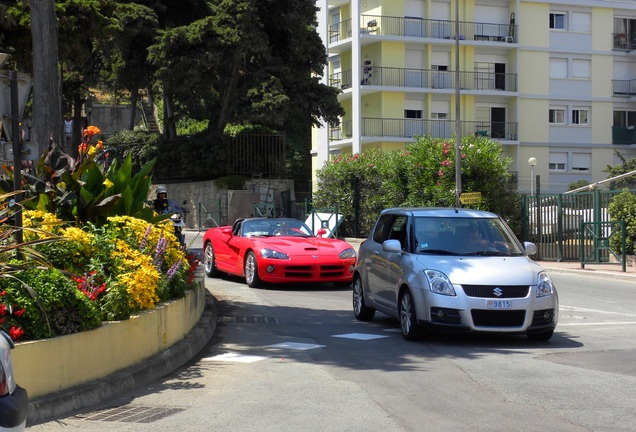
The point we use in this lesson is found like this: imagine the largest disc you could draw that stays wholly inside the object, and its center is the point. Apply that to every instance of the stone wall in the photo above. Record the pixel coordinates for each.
(207, 205)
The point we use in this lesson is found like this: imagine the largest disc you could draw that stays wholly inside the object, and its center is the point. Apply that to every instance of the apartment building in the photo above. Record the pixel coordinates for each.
(553, 82)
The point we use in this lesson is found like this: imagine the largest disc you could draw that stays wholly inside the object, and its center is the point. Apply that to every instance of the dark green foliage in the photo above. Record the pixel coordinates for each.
(67, 309)
(616, 170)
(623, 207)
(578, 184)
(233, 182)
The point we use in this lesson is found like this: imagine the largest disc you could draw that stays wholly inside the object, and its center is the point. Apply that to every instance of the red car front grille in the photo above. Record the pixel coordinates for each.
(317, 271)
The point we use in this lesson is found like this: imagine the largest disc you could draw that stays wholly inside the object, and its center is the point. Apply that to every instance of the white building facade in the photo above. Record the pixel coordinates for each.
(553, 81)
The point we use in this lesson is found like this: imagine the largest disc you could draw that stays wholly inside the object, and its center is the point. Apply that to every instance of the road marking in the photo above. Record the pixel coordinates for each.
(359, 336)
(235, 357)
(299, 346)
(609, 323)
(570, 308)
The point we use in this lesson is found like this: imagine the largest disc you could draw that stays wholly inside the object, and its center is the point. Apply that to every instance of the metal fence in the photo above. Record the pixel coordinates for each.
(554, 222)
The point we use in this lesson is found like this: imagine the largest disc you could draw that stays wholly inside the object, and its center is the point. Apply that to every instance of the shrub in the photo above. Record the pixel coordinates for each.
(65, 309)
(423, 175)
(623, 207)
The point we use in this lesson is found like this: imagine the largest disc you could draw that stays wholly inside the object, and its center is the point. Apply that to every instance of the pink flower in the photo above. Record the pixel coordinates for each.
(440, 173)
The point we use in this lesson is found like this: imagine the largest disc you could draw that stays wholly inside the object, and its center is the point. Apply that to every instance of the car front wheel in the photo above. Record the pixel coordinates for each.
(408, 319)
(251, 271)
(209, 261)
(360, 309)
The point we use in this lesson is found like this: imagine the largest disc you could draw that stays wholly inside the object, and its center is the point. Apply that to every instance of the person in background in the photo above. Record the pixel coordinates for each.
(160, 204)
(68, 131)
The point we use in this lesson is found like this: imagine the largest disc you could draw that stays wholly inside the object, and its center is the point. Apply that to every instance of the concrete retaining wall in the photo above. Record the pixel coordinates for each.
(52, 365)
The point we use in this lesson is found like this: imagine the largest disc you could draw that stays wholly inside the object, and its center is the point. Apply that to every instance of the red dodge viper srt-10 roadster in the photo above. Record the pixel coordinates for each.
(276, 251)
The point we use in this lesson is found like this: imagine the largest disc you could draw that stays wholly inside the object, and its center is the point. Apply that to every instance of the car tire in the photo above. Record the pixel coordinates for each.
(541, 337)
(408, 319)
(251, 271)
(209, 262)
(360, 309)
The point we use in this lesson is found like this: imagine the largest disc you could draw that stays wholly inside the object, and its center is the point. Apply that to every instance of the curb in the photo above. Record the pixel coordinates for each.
(92, 394)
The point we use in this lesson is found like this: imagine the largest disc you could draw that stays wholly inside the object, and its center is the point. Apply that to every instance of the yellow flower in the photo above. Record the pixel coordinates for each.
(108, 183)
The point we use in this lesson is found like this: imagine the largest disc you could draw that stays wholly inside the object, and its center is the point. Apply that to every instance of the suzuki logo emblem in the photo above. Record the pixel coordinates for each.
(498, 292)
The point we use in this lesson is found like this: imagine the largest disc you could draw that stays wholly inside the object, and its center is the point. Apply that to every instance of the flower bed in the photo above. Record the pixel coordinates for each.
(50, 365)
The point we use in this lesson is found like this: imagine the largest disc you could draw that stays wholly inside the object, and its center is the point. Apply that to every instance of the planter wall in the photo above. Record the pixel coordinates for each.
(51, 365)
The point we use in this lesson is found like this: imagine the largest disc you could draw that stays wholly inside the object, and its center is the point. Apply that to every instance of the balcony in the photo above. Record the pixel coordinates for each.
(623, 135)
(409, 128)
(624, 41)
(624, 88)
(376, 25)
(427, 79)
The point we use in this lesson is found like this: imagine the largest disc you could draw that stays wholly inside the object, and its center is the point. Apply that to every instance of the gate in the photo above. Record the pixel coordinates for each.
(554, 222)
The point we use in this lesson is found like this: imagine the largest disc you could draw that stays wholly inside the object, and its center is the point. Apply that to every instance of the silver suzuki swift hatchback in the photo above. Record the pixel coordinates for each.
(452, 269)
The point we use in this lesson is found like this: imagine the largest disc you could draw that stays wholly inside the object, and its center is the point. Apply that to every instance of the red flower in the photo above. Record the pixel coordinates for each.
(19, 312)
(3, 309)
(16, 333)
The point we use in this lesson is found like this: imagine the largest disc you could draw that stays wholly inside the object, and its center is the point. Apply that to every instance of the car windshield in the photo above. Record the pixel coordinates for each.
(464, 236)
(275, 227)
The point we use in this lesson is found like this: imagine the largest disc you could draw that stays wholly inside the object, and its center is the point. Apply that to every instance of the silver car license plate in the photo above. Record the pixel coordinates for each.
(498, 304)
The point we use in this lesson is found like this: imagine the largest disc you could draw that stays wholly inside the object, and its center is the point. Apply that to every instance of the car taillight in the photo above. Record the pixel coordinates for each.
(4, 384)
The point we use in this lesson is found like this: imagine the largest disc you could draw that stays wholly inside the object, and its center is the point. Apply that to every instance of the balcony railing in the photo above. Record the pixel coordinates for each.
(409, 128)
(624, 87)
(624, 41)
(426, 78)
(425, 28)
(623, 135)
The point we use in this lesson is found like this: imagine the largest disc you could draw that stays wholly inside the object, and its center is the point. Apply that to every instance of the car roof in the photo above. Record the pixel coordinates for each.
(447, 212)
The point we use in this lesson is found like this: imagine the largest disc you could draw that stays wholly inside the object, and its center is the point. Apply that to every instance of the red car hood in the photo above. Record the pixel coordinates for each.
(298, 246)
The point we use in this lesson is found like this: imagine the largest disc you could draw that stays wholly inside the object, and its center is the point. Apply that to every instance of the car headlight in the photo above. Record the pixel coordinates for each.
(439, 283)
(347, 253)
(271, 253)
(545, 286)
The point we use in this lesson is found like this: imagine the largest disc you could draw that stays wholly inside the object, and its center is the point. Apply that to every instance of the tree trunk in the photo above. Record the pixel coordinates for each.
(134, 98)
(229, 94)
(169, 128)
(47, 108)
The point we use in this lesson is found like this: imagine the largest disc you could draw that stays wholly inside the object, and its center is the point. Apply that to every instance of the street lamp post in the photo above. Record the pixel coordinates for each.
(532, 162)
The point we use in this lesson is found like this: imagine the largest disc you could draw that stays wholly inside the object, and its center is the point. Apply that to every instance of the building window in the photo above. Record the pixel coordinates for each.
(580, 116)
(439, 116)
(581, 22)
(558, 20)
(581, 162)
(581, 68)
(557, 116)
(558, 161)
(412, 114)
(624, 118)
(558, 68)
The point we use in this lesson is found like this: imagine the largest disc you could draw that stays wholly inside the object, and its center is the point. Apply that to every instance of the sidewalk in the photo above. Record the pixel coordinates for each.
(614, 271)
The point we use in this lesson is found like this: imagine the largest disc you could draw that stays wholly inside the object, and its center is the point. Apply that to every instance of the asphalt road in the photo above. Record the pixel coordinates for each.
(295, 359)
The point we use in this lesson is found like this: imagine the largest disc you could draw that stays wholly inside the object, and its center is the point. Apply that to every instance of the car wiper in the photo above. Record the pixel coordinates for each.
(437, 252)
(487, 253)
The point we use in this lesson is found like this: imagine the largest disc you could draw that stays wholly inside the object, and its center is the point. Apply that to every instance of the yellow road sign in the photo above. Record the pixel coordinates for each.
(470, 198)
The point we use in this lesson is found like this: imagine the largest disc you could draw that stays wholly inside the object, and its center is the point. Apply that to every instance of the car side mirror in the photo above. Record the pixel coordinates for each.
(321, 232)
(392, 246)
(226, 231)
(530, 248)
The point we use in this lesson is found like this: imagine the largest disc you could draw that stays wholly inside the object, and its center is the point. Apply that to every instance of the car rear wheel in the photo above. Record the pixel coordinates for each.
(542, 337)
(360, 310)
(209, 262)
(251, 271)
(408, 320)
